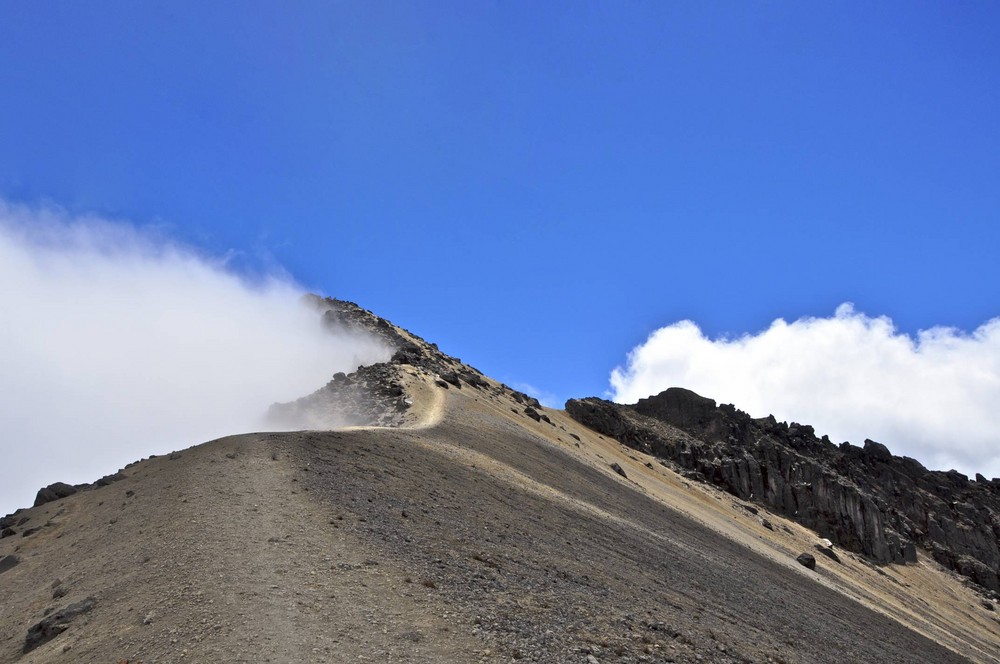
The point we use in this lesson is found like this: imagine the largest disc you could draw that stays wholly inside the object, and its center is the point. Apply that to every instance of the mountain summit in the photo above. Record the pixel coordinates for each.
(423, 512)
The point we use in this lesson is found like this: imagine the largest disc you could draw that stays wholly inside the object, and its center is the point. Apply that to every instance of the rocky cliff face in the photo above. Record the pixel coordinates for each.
(862, 498)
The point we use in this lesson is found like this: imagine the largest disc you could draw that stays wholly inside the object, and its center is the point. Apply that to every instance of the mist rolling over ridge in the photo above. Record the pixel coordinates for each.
(117, 342)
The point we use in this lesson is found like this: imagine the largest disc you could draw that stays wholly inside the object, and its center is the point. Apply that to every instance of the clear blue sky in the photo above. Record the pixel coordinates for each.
(536, 186)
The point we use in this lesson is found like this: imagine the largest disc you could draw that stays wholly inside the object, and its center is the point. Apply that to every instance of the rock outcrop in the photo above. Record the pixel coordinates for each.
(375, 395)
(54, 492)
(864, 499)
(55, 624)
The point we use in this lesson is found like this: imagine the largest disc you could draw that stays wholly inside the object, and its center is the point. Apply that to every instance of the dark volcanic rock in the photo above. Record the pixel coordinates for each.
(372, 395)
(474, 380)
(109, 479)
(55, 624)
(618, 469)
(828, 552)
(54, 492)
(864, 499)
(8, 562)
(452, 378)
(877, 451)
(523, 398)
(807, 560)
(682, 408)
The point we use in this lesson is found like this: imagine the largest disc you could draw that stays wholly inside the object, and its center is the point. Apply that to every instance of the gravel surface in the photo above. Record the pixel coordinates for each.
(474, 539)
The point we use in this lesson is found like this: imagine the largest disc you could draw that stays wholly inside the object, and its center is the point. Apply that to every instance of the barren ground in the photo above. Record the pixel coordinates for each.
(476, 534)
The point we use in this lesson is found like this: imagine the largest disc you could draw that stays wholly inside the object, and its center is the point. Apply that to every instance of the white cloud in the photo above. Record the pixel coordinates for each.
(935, 397)
(116, 343)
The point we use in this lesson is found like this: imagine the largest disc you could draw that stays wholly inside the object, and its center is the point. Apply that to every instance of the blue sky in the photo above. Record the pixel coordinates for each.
(535, 186)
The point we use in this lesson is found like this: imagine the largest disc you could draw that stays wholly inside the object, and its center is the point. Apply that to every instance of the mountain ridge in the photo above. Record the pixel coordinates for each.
(863, 498)
(477, 526)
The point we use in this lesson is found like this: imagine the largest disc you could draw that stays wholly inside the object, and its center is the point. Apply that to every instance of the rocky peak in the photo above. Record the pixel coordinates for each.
(377, 394)
(683, 408)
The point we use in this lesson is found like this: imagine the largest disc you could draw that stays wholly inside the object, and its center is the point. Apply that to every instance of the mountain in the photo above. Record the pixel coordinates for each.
(451, 518)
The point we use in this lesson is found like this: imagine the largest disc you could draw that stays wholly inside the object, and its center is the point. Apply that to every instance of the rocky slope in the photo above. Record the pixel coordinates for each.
(375, 395)
(862, 498)
(456, 520)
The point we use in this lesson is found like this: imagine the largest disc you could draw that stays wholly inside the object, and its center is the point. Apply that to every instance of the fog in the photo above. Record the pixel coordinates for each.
(117, 342)
(932, 396)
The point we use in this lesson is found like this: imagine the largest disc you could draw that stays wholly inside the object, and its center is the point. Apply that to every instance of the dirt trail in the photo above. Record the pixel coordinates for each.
(221, 555)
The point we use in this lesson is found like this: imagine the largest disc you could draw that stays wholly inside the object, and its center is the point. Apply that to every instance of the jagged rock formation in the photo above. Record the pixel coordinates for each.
(863, 498)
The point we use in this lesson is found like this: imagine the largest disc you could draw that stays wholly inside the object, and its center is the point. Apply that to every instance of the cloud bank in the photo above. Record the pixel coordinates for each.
(117, 343)
(934, 397)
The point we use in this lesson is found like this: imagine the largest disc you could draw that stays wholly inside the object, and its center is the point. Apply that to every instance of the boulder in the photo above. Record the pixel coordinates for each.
(451, 377)
(475, 380)
(8, 562)
(618, 469)
(53, 492)
(108, 479)
(828, 552)
(807, 560)
(877, 451)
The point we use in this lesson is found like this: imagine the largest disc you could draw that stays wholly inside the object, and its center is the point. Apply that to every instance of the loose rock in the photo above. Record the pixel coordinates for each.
(55, 624)
(8, 562)
(807, 560)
